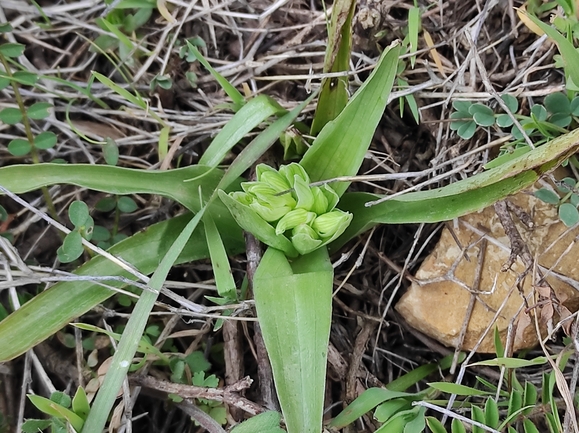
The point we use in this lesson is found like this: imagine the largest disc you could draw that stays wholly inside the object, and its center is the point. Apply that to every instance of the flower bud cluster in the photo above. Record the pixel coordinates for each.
(305, 214)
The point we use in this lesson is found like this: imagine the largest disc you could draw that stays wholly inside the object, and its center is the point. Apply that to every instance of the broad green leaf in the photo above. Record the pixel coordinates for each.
(368, 400)
(294, 308)
(341, 145)
(59, 305)
(255, 112)
(529, 396)
(181, 185)
(5, 28)
(477, 415)
(459, 198)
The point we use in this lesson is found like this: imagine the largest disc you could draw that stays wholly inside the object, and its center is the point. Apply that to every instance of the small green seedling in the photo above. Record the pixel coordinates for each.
(72, 247)
(66, 414)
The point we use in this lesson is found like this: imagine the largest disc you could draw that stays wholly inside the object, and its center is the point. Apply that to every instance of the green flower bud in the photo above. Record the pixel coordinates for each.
(331, 195)
(291, 170)
(320, 205)
(242, 197)
(331, 224)
(303, 192)
(258, 189)
(305, 239)
(293, 219)
(269, 212)
(272, 178)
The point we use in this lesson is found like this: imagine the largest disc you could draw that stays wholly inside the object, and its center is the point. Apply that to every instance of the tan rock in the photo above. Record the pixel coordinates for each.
(438, 305)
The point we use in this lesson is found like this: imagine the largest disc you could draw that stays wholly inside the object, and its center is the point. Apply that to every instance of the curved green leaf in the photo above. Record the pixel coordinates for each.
(54, 308)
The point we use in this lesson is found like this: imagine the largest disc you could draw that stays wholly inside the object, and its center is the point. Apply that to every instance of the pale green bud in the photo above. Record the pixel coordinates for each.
(293, 219)
(303, 192)
(331, 224)
(320, 205)
(269, 212)
(331, 195)
(242, 197)
(291, 170)
(259, 189)
(272, 178)
(305, 239)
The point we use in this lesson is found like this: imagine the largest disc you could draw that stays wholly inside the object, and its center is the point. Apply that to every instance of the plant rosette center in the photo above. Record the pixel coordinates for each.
(283, 211)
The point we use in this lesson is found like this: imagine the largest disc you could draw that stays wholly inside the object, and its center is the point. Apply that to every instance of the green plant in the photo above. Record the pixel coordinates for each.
(292, 291)
(64, 412)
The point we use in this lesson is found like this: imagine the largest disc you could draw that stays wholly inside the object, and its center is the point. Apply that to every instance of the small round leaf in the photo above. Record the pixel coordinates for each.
(557, 103)
(10, 116)
(127, 204)
(547, 196)
(40, 110)
(100, 234)
(560, 119)
(575, 106)
(539, 112)
(482, 115)
(5, 27)
(461, 105)
(574, 199)
(71, 248)
(106, 204)
(511, 102)
(568, 214)
(467, 130)
(12, 49)
(504, 121)
(78, 213)
(45, 140)
(19, 147)
(111, 152)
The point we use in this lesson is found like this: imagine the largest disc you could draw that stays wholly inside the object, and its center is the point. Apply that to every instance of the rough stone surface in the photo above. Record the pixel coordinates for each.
(437, 306)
